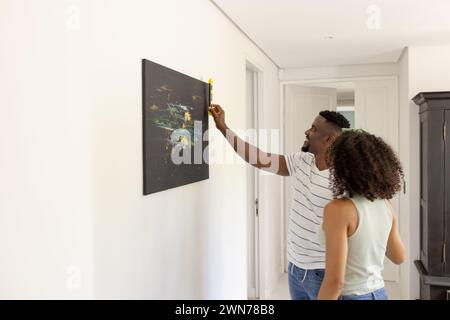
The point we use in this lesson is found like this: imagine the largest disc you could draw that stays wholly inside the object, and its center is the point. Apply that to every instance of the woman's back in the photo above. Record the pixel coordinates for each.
(367, 247)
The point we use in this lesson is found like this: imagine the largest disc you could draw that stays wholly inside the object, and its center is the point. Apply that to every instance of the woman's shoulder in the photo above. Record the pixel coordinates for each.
(342, 209)
(341, 203)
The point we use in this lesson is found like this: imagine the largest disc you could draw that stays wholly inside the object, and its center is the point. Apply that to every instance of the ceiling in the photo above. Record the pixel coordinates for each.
(311, 33)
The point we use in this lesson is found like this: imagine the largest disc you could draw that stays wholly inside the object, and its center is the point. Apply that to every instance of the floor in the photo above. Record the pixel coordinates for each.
(281, 292)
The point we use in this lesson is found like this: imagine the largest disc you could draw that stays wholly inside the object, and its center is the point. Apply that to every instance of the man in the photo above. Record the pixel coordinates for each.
(311, 192)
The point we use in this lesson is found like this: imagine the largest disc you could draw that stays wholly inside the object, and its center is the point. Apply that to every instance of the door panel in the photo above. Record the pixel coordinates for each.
(424, 152)
(302, 105)
(435, 221)
(376, 111)
(447, 192)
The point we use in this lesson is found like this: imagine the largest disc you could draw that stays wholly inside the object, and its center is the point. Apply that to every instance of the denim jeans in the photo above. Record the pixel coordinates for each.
(379, 294)
(304, 284)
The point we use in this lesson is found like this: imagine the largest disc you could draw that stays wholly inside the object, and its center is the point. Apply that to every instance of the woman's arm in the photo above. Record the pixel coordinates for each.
(335, 225)
(395, 250)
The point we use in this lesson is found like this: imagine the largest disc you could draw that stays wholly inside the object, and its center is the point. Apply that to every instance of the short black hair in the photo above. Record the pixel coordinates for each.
(335, 118)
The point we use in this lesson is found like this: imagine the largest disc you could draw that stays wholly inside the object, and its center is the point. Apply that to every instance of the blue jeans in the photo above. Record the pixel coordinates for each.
(379, 294)
(304, 284)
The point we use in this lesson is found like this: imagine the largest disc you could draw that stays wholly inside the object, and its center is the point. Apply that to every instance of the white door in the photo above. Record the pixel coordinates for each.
(376, 111)
(302, 106)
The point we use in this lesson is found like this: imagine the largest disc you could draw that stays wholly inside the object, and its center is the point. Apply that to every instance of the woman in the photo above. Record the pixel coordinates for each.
(359, 226)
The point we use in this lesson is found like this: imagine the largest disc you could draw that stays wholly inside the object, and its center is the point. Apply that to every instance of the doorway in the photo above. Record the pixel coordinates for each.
(368, 103)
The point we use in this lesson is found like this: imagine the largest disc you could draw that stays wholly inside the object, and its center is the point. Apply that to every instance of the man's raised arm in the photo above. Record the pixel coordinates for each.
(274, 163)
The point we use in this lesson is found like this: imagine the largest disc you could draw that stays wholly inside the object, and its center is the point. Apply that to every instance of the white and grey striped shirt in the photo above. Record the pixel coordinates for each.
(311, 192)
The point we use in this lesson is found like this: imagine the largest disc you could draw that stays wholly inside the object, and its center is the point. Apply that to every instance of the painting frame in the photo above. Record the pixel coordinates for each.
(173, 102)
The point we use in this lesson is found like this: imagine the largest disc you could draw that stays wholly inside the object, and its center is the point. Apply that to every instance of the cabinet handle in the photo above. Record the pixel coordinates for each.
(444, 133)
(443, 252)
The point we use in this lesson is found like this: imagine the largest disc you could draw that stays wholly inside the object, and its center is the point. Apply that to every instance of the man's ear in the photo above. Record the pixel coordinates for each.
(331, 138)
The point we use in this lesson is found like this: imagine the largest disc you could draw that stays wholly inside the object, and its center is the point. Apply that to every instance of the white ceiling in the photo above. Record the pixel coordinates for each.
(293, 33)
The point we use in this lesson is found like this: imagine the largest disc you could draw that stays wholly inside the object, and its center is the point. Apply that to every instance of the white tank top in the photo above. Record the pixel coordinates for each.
(366, 247)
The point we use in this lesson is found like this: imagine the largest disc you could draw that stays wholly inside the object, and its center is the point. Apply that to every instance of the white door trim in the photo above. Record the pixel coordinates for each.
(259, 223)
(326, 80)
(282, 151)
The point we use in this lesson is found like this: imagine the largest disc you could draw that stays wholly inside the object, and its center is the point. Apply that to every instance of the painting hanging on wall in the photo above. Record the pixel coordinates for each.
(175, 124)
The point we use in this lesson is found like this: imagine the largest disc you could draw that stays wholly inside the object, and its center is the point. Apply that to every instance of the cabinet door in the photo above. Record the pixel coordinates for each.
(433, 216)
(424, 181)
(447, 191)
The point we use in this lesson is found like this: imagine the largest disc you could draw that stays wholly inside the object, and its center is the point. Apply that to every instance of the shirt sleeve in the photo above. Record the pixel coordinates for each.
(298, 161)
(292, 162)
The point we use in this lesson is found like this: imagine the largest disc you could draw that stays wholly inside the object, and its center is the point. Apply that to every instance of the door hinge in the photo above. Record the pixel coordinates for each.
(443, 252)
(257, 207)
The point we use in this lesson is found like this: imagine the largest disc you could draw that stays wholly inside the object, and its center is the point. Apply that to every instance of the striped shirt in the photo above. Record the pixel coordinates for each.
(311, 192)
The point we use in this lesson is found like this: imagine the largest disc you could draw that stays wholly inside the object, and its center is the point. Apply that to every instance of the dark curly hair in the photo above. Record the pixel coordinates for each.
(363, 164)
(335, 118)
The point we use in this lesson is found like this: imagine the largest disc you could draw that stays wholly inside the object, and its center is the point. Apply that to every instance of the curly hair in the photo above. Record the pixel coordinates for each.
(336, 118)
(363, 164)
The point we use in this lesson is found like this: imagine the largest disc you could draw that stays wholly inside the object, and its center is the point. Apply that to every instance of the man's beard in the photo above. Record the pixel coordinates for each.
(305, 148)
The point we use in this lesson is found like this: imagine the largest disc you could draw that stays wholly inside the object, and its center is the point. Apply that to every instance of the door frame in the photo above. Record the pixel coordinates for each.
(403, 196)
(253, 193)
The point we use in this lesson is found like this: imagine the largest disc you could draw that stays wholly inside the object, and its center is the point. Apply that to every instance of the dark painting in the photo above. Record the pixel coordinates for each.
(175, 119)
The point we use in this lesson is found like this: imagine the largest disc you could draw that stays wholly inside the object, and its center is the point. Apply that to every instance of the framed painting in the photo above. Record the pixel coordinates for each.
(175, 125)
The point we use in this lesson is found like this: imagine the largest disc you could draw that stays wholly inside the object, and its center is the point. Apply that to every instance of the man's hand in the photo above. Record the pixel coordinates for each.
(219, 116)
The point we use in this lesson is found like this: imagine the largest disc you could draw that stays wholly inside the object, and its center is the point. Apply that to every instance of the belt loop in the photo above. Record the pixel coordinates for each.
(304, 276)
(292, 268)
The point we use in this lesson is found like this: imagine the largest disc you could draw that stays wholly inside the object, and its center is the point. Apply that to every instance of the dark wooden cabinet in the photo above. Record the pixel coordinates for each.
(434, 263)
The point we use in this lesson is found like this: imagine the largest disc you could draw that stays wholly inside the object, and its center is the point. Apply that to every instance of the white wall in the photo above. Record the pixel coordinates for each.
(46, 184)
(71, 162)
(405, 113)
(428, 70)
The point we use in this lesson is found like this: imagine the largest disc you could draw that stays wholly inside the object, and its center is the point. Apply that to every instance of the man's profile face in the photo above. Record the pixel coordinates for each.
(316, 136)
